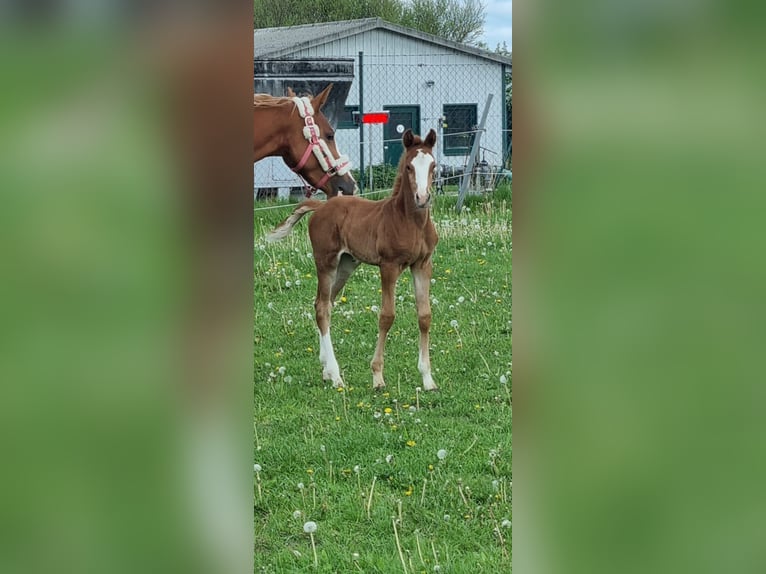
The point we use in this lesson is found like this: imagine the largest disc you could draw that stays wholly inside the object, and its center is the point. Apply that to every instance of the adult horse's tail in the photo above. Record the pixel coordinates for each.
(284, 228)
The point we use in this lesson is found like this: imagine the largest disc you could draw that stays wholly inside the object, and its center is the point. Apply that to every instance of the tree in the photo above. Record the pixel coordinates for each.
(457, 20)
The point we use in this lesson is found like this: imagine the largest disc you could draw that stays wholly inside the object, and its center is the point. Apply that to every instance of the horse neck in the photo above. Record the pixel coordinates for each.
(272, 124)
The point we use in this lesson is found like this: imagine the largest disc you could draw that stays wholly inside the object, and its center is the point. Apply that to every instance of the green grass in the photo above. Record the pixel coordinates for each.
(455, 512)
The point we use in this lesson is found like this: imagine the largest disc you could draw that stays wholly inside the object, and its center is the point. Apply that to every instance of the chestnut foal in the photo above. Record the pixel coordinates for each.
(393, 234)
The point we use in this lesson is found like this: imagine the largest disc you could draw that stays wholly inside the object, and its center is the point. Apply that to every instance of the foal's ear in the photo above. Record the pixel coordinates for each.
(319, 100)
(431, 138)
(408, 138)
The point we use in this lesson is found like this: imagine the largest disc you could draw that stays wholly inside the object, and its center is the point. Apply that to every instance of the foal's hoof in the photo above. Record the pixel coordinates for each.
(431, 387)
(335, 377)
(378, 383)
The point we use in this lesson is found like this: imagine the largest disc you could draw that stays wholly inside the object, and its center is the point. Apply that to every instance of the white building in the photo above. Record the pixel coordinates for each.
(423, 81)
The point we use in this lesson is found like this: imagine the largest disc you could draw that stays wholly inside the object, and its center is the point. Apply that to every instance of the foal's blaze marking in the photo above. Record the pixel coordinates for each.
(394, 233)
(423, 175)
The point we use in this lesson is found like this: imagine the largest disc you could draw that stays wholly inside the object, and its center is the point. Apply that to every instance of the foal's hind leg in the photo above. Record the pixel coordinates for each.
(322, 305)
(421, 278)
(388, 276)
(346, 266)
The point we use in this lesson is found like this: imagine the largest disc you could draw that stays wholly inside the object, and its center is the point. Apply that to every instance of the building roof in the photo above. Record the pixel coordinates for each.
(282, 42)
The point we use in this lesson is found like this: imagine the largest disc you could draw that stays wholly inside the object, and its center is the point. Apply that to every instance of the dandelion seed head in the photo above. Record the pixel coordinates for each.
(257, 467)
(453, 323)
(461, 299)
(506, 523)
(288, 284)
(389, 458)
(446, 518)
(503, 380)
(441, 454)
(357, 469)
(281, 370)
(288, 379)
(355, 556)
(301, 486)
(310, 527)
(297, 514)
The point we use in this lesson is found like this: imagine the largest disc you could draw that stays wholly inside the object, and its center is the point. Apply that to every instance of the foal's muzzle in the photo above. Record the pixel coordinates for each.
(425, 203)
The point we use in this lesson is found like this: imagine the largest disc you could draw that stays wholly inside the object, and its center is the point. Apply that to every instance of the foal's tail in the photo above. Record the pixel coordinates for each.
(284, 228)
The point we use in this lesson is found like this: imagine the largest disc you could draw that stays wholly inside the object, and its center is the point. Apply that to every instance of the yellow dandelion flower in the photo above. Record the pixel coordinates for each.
(346, 330)
(409, 490)
(405, 406)
(477, 407)
(387, 410)
(340, 389)
(337, 418)
(448, 271)
(394, 427)
(310, 470)
(309, 349)
(430, 467)
(343, 299)
(411, 443)
(360, 404)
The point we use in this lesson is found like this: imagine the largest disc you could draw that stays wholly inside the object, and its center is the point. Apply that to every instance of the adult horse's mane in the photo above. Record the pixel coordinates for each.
(269, 101)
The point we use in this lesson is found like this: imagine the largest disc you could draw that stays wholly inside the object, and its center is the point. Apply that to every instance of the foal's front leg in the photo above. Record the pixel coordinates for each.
(388, 277)
(421, 278)
(322, 306)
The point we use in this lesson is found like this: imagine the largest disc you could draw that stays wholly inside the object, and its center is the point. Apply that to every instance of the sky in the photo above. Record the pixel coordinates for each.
(497, 26)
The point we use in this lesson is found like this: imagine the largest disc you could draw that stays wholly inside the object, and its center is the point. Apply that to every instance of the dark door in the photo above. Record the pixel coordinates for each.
(400, 118)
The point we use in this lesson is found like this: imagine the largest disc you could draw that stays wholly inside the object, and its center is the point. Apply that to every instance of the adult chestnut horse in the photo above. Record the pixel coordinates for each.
(393, 234)
(296, 130)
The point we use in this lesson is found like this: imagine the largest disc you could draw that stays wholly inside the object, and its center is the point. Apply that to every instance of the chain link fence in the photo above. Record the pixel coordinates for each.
(444, 92)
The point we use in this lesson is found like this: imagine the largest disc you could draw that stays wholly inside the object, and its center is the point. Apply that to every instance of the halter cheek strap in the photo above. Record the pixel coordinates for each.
(318, 146)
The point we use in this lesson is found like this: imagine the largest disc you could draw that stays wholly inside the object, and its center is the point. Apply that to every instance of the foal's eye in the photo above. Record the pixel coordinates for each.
(330, 137)
(409, 168)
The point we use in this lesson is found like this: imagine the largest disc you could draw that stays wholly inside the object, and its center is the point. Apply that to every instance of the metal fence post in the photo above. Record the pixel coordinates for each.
(361, 125)
(474, 152)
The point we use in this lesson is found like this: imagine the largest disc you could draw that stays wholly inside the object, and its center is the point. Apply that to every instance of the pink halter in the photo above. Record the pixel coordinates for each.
(318, 146)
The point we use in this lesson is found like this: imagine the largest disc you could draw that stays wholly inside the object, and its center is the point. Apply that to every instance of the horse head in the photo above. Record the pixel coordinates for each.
(313, 151)
(419, 164)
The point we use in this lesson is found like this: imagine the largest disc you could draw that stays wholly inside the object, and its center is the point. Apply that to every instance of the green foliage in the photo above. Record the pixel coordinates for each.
(307, 432)
(457, 20)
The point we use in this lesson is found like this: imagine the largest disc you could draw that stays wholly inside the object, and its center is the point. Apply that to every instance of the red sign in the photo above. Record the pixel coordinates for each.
(375, 118)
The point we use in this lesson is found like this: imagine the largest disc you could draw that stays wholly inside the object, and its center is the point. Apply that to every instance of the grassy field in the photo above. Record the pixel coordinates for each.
(400, 481)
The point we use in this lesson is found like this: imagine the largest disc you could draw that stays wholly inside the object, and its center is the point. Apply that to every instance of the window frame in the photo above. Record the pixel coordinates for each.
(348, 125)
(452, 150)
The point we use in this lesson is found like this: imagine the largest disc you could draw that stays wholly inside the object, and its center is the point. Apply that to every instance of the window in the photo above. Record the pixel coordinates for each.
(345, 121)
(459, 127)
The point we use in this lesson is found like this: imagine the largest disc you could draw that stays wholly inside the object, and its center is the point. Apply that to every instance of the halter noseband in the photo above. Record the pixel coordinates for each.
(329, 164)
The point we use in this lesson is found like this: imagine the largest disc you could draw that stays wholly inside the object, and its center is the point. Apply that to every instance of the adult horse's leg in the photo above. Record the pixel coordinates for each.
(421, 278)
(322, 306)
(388, 276)
(346, 266)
